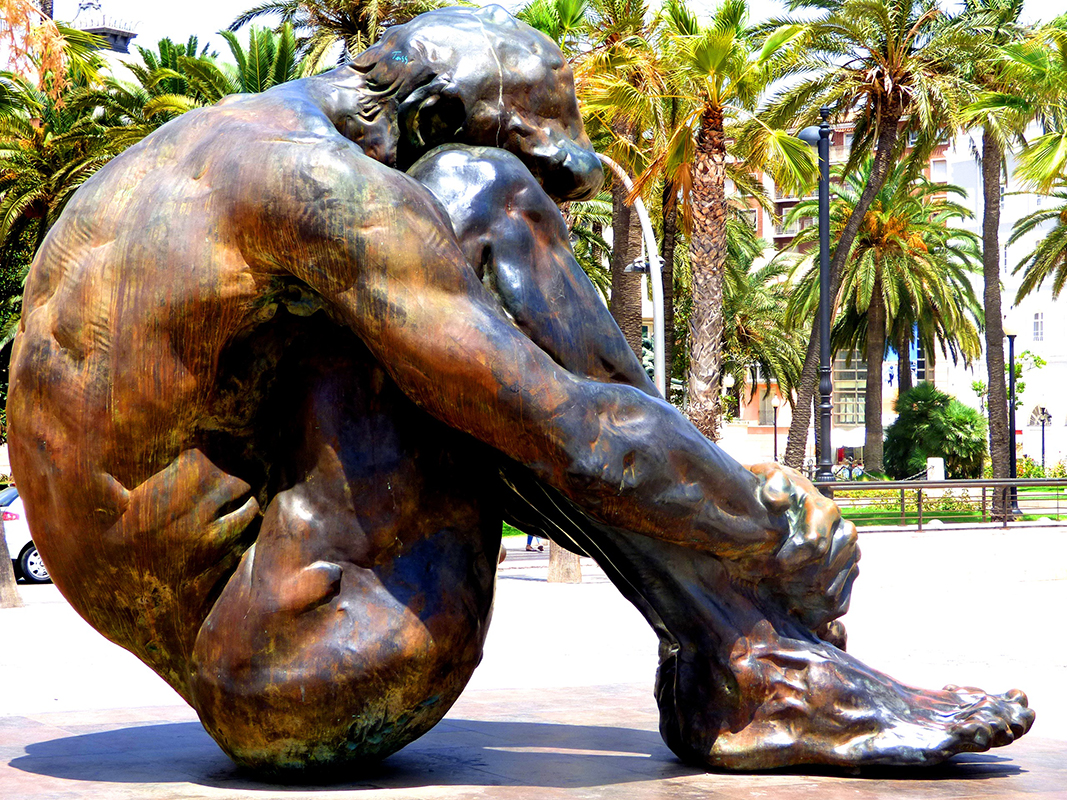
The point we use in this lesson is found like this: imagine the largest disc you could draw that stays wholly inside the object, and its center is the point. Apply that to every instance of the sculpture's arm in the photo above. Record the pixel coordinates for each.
(512, 233)
(380, 250)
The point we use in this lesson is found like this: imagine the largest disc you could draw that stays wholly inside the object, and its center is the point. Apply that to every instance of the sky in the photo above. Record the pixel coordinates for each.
(152, 21)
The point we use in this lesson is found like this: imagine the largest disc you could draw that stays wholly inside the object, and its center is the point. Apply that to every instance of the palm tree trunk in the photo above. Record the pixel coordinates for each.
(809, 375)
(9, 592)
(707, 250)
(997, 399)
(904, 383)
(670, 236)
(625, 305)
(872, 406)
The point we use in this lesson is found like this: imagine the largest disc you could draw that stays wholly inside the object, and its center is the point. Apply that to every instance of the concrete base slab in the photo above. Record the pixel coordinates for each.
(562, 706)
(589, 742)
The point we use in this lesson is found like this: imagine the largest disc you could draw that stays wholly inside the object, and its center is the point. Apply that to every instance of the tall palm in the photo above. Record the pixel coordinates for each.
(619, 80)
(322, 26)
(908, 265)
(717, 72)
(891, 67)
(994, 25)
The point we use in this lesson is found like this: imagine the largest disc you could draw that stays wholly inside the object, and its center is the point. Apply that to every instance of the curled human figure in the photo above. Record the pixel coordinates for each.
(286, 364)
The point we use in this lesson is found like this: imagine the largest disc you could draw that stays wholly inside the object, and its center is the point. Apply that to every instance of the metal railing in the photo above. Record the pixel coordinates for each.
(981, 501)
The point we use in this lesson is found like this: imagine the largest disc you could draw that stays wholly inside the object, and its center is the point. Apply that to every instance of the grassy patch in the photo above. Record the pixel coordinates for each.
(511, 530)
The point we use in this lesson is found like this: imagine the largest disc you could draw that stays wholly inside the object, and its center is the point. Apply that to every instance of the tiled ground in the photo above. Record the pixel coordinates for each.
(562, 705)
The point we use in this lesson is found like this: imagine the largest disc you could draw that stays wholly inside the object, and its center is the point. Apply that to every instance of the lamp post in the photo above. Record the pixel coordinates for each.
(1044, 418)
(820, 136)
(1011, 333)
(775, 402)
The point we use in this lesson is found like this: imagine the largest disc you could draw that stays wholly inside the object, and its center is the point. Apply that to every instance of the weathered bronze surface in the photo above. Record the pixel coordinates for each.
(287, 363)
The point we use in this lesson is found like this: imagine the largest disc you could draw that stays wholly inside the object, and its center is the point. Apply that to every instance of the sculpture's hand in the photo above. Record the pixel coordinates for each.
(813, 569)
(192, 506)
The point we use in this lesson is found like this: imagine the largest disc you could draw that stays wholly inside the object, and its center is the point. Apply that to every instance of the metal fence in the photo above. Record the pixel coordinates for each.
(915, 503)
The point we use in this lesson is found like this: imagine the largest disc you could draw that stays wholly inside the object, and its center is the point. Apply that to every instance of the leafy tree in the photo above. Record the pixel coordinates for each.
(934, 424)
(908, 267)
(892, 67)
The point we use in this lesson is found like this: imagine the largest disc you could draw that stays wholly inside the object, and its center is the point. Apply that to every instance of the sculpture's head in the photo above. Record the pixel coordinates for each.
(480, 77)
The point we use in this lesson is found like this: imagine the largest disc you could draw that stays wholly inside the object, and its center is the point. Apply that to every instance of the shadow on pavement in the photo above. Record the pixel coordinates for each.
(456, 752)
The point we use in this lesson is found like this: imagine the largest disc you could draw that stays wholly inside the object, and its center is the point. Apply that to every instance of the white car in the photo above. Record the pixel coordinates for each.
(20, 546)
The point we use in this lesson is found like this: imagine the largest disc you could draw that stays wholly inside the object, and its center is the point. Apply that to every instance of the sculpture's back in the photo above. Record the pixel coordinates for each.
(175, 393)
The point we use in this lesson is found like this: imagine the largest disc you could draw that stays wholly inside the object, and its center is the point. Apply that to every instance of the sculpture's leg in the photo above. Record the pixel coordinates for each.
(744, 684)
(356, 619)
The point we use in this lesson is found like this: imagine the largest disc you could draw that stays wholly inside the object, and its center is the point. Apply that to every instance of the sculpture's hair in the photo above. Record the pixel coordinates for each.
(412, 68)
(409, 55)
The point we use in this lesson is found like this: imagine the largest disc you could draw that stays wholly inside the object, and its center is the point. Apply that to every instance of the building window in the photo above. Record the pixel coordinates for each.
(1039, 327)
(766, 407)
(939, 171)
(848, 140)
(850, 388)
(750, 217)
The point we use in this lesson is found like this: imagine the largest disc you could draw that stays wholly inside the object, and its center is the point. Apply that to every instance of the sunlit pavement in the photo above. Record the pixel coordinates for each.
(562, 704)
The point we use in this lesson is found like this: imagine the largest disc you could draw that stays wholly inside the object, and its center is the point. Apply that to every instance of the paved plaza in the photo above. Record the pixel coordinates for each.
(562, 704)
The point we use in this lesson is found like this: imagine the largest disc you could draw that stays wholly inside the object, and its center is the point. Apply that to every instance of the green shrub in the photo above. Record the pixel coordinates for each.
(934, 424)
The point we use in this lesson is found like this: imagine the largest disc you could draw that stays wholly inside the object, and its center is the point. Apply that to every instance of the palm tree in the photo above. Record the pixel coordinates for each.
(891, 67)
(1038, 66)
(908, 266)
(717, 73)
(587, 220)
(755, 298)
(1048, 259)
(619, 80)
(564, 21)
(175, 78)
(47, 150)
(994, 24)
(321, 26)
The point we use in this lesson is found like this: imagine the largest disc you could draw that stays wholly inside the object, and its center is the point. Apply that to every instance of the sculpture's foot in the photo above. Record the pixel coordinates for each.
(806, 702)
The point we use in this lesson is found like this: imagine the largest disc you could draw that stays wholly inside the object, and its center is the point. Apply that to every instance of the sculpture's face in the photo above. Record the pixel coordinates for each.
(481, 77)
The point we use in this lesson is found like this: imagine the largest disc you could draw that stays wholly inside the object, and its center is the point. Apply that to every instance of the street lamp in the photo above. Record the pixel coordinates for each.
(820, 136)
(1044, 418)
(775, 402)
(1011, 332)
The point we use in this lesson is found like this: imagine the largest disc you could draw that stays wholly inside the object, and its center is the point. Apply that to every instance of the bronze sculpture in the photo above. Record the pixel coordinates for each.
(286, 364)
